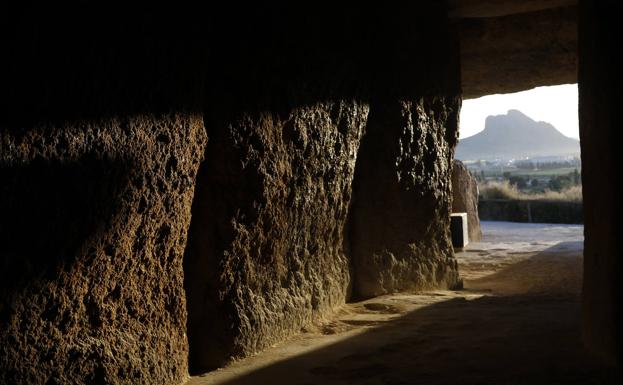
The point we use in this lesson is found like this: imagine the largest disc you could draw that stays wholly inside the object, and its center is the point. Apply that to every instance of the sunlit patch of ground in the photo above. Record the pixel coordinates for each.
(516, 322)
(525, 258)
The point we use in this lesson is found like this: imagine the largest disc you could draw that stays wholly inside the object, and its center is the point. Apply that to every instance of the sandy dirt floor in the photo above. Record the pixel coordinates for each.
(516, 322)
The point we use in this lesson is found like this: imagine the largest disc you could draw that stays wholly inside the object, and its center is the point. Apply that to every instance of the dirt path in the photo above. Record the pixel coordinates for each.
(516, 322)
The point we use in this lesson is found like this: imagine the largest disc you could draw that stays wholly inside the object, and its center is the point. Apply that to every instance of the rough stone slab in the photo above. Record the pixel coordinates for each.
(400, 226)
(599, 88)
(465, 198)
(93, 231)
(518, 52)
(267, 242)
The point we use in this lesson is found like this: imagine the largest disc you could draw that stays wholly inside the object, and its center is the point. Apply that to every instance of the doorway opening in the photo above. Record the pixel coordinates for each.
(522, 151)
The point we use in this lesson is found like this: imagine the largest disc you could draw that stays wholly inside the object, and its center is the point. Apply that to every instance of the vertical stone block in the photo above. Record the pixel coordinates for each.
(400, 226)
(267, 241)
(93, 229)
(465, 198)
(599, 89)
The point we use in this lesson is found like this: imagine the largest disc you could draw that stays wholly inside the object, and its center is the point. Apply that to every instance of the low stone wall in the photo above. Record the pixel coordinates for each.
(530, 211)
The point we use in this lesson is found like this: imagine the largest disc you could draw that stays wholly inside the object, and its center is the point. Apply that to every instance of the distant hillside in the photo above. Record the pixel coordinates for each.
(514, 136)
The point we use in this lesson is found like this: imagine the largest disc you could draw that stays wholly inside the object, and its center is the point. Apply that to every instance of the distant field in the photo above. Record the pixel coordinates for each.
(556, 171)
(529, 173)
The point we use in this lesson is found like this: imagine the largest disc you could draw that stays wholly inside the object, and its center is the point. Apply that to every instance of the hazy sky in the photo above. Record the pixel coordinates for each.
(557, 105)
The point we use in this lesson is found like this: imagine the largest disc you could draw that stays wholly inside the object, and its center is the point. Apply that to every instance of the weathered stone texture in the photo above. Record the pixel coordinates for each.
(518, 52)
(465, 198)
(93, 229)
(600, 85)
(401, 211)
(266, 252)
(98, 208)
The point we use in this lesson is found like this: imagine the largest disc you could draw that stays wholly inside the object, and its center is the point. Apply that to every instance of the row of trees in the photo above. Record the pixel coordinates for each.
(530, 165)
(555, 183)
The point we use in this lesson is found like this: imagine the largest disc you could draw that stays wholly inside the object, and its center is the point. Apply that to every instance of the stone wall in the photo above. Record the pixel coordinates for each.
(101, 137)
(401, 214)
(267, 251)
(530, 211)
(600, 135)
(101, 141)
(92, 233)
(269, 244)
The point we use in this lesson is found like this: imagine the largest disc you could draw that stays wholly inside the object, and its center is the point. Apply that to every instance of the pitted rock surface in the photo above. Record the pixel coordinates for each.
(267, 251)
(465, 198)
(93, 226)
(401, 211)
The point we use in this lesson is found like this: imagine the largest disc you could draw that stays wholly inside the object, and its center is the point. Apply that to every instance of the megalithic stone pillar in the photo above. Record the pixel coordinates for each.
(266, 246)
(92, 234)
(400, 217)
(465, 198)
(600, 137)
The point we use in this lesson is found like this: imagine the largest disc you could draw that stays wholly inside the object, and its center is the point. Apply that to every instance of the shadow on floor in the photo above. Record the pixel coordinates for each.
(529, 338)
(491, 340)
(554, 272)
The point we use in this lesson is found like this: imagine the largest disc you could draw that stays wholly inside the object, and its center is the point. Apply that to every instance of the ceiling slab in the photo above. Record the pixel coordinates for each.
(497, 8)
(518, 52)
